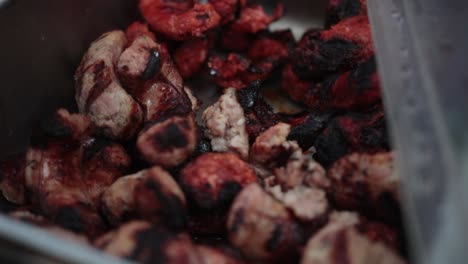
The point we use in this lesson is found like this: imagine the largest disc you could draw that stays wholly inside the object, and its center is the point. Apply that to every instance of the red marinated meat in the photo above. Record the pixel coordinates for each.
(179, 19)
(352, 90)
(191, 56)
(340, 48)
(254, 19)
(226, 9)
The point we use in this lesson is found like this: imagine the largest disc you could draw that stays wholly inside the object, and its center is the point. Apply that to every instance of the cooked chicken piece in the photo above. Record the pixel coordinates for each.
(340, 242)
(66, 170)
(262, 227)
(38, 220)
(368, 183)
(286, 159)
(151, 194)
(141, 242)
(169, 143)
(211, 255)
(225, 123)
(213, 180)
(271, 148)
(99, 92)
(307, 204)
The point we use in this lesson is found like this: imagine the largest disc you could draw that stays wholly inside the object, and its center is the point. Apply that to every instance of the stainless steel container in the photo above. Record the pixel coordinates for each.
(42, 43)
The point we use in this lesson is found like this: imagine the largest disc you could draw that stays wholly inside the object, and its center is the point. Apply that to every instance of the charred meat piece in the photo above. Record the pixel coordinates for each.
(338, 10)
(211, 255)
(151, 194)
(352, 132)
(170, 142)
(227, 9)
(181, 19)
(12, 179)
(254, 19)
(366, 183)
(340, 242)
(338, 49)
(99, 92)
(233, 40)
(66, 171)
(191, 56)
(262, 228)
(141, 242)
(352, 90)
(28, 217)
(225, 125)
(213, 180)
(306, 132)
(273, 46)
(237, 71)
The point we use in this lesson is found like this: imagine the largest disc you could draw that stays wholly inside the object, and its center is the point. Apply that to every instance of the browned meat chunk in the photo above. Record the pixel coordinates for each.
(66, 171)
(254, 19)
(338, 49)
(180, 19)
(100, 94)
(226, 9)
(170, 142)
(367, 183)
(262, 228)
(340, 242)
(214, 179)
(151, 194)
(141, 242)
(225, 125)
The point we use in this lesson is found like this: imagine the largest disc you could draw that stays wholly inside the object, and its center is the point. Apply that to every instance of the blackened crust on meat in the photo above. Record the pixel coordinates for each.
(306, 133)
(362, 75)
(275, 239)
(171, 137)
(153, 66)
(70, 218)
(341, 9)
(150, 246)
(376, 135)
(331, 145)
(173, 210)
(249, 95)
(228, 192)
(321, 57)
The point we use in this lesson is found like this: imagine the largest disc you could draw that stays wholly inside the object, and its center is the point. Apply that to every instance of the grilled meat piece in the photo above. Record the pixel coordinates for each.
(340, 242)
(179, 20)
(66, 171)
(338, 10)
(352, 132)
(352, 90)
(253, 18)
(273, 46)
(213, 180)
(151, 194)
(307, 130)
(190, 57)
(226, 9)
(225, 125)
(139, 241)
(262, 228)
(99, 93)
(232, 40)
(366, 183)
(338, 49)
(169, 143)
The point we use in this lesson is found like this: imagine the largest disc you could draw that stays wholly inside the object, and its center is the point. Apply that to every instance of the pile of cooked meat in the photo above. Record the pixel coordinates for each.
(146, 173)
